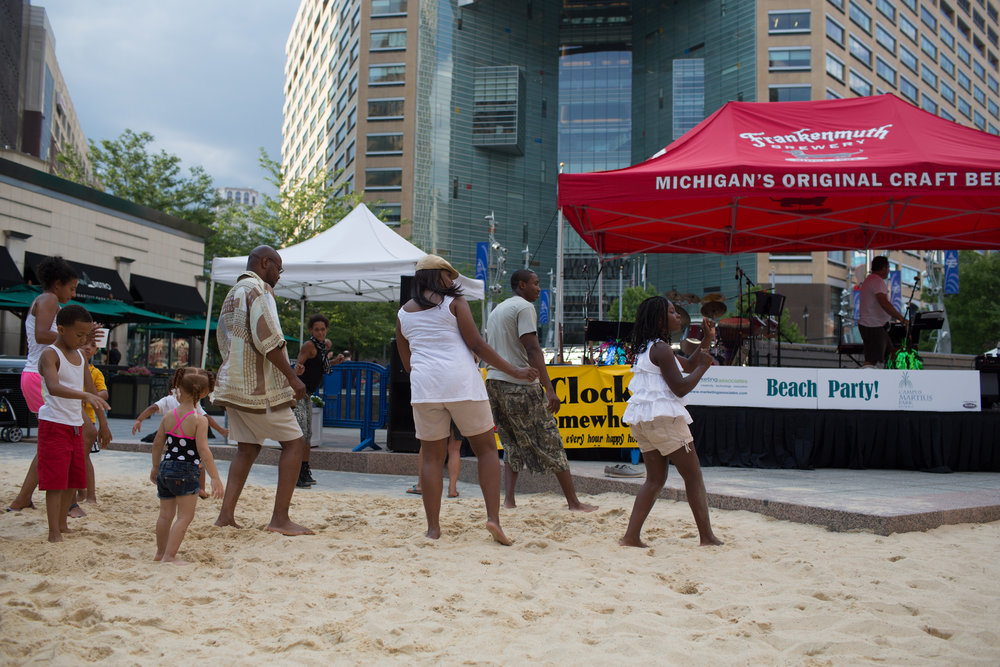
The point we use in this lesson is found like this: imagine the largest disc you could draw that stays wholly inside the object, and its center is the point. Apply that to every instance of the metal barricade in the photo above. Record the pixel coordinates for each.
(355, 395)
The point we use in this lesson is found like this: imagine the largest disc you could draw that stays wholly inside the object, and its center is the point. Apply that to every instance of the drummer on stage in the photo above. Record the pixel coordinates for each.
(875, 312)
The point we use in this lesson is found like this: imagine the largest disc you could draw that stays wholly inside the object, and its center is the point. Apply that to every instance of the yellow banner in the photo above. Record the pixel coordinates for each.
(593, 399)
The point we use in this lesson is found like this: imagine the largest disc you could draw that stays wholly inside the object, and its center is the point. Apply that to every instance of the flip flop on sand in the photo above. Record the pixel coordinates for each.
(414, 490)
(76, 511)
(29, 506)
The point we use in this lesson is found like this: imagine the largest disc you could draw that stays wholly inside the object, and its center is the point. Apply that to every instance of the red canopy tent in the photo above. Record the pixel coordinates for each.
(869, 172)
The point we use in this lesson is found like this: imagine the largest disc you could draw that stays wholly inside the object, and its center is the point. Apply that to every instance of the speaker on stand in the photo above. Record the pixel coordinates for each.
(400, 431)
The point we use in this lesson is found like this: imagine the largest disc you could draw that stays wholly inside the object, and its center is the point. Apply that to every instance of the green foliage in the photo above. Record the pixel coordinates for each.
(124, 167)
(789, 330)
(631, 298)
(974, 313)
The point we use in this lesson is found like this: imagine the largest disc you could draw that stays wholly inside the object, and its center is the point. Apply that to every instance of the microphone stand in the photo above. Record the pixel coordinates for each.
(741, 276)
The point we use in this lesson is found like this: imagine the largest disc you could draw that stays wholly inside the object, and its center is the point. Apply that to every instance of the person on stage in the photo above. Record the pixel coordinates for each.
(876, 311)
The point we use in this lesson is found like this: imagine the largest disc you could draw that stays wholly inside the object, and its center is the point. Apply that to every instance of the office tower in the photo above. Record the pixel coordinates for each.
(444, 113)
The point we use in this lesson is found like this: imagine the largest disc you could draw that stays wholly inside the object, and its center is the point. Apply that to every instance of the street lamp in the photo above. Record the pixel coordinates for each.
(805, 323)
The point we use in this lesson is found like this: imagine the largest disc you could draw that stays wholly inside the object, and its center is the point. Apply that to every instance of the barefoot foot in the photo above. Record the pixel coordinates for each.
(174, 561)
(509, 505)
(55, 537)
(711, 541)
(582, 507)
(230, 521)
(76, 511)
(496, 531)
(627, 542)
(433, 533)
(289, 528)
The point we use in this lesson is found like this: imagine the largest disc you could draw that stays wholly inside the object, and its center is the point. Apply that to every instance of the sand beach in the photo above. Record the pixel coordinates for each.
(369, 588)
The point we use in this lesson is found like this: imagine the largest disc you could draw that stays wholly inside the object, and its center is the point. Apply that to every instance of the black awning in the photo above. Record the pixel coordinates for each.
(166, 297)
(96, 282)
(9, 275)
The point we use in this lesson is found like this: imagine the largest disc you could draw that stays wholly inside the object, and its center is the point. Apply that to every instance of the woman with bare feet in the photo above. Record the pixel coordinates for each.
(182, 440)
(438, 341)
(657, 416)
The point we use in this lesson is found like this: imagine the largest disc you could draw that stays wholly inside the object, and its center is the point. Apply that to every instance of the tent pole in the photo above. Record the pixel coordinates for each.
(302, 317)
(559, 286)
(208, 322)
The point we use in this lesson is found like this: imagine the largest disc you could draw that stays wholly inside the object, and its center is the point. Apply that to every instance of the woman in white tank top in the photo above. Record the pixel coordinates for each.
(58, 280)
(438, 342)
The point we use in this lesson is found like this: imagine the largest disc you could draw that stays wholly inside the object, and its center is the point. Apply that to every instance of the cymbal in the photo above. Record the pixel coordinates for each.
(713, 309)
(673, 296)
(714, 296)
(690, 298)
(685, 317)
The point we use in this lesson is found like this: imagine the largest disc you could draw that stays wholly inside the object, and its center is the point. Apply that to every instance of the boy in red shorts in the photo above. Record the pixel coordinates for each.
(66, 382)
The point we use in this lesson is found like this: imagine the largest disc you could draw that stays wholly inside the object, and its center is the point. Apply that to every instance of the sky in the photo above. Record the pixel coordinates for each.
(204, 77)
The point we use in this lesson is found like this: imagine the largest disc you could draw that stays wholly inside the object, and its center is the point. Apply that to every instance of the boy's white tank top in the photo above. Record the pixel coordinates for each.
(67, 411)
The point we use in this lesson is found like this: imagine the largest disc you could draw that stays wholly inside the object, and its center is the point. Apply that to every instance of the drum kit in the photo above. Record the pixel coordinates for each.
(733, 335)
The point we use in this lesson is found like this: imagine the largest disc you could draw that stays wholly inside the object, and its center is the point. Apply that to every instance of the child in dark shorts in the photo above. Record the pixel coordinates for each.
(182, 439)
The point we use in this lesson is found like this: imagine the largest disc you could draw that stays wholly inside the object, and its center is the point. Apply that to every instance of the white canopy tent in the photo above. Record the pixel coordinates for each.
(358, 259)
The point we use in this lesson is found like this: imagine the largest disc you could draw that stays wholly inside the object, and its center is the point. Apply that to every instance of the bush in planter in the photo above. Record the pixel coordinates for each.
(136, 371)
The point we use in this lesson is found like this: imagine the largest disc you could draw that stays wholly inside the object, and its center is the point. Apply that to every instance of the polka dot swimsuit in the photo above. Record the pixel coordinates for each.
(178, 446)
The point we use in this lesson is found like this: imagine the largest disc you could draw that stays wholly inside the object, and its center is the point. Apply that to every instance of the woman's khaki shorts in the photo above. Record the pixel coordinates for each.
(664, 434)
(432, 421)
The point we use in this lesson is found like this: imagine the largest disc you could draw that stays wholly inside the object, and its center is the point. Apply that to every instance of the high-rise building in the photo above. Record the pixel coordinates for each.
(240, 196)
(36, 112)
(444, 113)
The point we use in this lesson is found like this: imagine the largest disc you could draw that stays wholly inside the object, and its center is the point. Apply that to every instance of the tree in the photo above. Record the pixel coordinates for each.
(124, 167)
(974, 313)
(631, 298)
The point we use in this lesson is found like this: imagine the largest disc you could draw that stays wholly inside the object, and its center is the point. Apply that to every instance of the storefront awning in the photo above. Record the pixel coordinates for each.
(9, 275)
(96, 282)
(167, 297)
(107, 311)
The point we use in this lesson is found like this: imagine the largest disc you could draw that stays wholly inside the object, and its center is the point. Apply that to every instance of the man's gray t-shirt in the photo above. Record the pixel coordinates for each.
(506, 324)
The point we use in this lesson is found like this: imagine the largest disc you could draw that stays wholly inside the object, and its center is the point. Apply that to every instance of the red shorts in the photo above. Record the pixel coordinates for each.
(31, 389)
(61, 463)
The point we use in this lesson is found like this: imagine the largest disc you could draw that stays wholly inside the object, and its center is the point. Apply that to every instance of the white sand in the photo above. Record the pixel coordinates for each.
(370, 588)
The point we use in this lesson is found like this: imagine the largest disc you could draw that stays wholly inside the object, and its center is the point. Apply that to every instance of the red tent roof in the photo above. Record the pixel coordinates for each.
(869, 172)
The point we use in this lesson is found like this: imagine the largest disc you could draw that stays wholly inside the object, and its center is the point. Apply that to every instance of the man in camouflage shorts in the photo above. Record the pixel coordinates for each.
(524, 412)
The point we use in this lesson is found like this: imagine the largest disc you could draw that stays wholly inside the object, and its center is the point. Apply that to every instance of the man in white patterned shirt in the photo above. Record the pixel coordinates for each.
(258, 387)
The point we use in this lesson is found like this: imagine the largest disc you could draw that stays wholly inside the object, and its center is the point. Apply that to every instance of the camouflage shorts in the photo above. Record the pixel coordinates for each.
(528, 431)
(303, 415)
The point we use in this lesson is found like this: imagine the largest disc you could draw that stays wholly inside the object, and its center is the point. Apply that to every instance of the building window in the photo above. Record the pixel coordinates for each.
(860, 17)
(387, 40)
(790, 93)
(928, 76)
(963, 54)
(947, 66)
(834, 31)
(796, 58)
(792, 21)
(979, 95)
(885, 38)
(979, 70)
(388, 8)
(947, 116)
(908, 59)
(964, 81)
(387, 75)
(384, 144)
(993, 85)
(908, 28)
(964, 107)
(859, 50)
(349, 154)
(498, 109)
(947, 38)
(928, 47)
(385, 109)
(384, 179)
(885, 71)
(832, 94)
(341, 134)
(352, 118)
(390, 214)
(927, 104)
(342, 102)
(993, 108)
(859, 84)
(928, 19)
(839, 4)
(834, 67)
(886, 9)
(979, 120)
(908, 89)
(947, 92)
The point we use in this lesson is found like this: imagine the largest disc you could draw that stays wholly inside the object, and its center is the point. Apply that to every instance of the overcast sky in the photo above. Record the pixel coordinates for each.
(204, 77)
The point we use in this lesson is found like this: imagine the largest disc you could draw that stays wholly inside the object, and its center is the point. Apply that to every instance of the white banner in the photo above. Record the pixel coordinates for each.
(838, 389)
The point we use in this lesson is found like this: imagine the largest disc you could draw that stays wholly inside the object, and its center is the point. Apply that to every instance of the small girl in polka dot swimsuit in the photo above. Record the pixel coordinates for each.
(182, 439)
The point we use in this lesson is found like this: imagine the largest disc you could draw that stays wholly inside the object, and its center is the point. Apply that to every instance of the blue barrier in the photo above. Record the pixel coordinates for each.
(356, 395)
